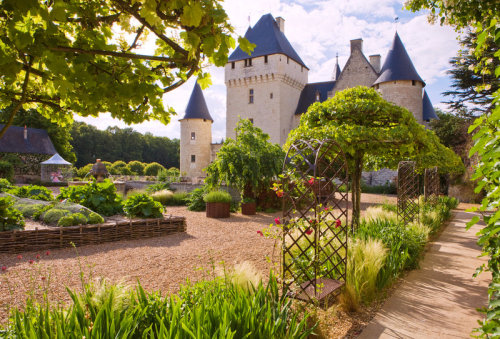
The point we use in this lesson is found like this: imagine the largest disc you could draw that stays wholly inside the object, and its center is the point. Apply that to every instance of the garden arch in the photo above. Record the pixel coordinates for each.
(315, 220)
(408, 207)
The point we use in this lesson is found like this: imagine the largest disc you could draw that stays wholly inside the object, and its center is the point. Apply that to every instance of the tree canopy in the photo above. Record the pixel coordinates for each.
(373, 133)
(248, 163)
(85, 57)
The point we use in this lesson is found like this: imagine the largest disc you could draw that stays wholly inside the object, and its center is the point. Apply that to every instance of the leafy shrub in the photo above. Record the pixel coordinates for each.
(30, 210)
(53, 215)
(388, 188)
(217, 196)
(65, 221)
(136, 167)
(163, 175)
(195, 200)
(72, 220)
(117, 167)
(99, 197)
(83, 171)
(95, 218)
(153, 169)
(142, 206)
(138, 314)
(158, 187)
(6, 170)
(10, 218)
(5, 185)
(32, 192)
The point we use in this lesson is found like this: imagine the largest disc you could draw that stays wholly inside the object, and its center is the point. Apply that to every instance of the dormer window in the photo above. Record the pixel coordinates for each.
(250, 96)
(248, 62)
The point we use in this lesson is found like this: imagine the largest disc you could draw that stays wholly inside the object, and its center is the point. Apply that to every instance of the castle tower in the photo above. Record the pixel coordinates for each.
(265, 86)
(399, 81)
(196, 136)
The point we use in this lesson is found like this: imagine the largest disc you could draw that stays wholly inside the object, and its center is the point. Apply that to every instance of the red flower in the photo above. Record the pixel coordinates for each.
(38, 256)
(260, 233)
(311, 181)
(19, 257)
(326, 209)
(43, 278)
(279, 193)
(277, 221)
(338, 223)
(47, 253)
(309, 231)
(4, 268)
(31, 261)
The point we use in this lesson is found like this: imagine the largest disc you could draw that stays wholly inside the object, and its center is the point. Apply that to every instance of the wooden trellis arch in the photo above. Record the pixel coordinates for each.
(432, 185)
(315, 213)
(408, 207)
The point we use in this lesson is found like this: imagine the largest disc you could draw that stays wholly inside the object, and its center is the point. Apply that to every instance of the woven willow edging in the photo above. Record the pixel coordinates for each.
(35, 240)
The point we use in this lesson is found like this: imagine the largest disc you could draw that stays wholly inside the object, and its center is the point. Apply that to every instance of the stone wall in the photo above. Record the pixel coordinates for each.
(380, 177)
(405, 93)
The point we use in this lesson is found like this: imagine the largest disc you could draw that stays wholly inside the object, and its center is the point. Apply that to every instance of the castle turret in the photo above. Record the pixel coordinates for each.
(265, 86)
(196, 136)
(399, 81)
(336, 69)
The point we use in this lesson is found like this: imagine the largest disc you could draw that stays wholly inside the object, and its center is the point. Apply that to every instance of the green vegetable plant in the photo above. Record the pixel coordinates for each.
(5, 185)
(10, 218)
(195, 200)
(32, 192)
(142, 206)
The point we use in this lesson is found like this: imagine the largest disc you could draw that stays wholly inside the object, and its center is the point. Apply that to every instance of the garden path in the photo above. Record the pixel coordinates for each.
(440, 299)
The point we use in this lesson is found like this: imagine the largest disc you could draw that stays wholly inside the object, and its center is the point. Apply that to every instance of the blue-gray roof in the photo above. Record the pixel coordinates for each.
(308, 95)
(37, 141)
(398, 65)
(269, 40)
(197, 107)
(336, 72)
(428, 112)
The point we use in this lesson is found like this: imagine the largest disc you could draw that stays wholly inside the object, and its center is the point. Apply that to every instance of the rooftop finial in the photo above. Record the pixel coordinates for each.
(336, 69)
(396, 20)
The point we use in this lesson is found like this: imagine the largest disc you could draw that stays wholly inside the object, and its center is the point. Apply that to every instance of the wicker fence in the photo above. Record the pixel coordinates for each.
(59, 237)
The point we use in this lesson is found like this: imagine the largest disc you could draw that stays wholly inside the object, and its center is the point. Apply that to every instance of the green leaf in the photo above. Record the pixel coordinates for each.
(192, 14)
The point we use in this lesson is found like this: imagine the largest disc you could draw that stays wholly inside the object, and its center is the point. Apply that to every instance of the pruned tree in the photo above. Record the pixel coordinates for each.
(85, 57)
(373, 133)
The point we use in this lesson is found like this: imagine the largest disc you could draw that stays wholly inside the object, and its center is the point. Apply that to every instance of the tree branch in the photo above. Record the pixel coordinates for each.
(134, 44)
(107, 18)
(180, 82)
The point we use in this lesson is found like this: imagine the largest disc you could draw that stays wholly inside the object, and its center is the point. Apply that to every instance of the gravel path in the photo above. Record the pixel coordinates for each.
(158, 263)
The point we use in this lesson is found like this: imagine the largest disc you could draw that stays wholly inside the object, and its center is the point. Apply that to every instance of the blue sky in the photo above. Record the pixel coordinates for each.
(318, 30)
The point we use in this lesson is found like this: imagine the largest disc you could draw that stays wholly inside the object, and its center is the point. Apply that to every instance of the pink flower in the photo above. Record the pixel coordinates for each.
(312, 221)
(4, 268)
(38, 256)
(279, 193)
(47, 253)
(31, 261)
(260, 233)
(309, 231)
(277, 221)
(338, 223)
(19, 257)
(311, 181)
(326, 209)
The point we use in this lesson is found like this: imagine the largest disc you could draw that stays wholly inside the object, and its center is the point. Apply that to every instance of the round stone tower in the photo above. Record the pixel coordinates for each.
(196, 136)
(399, 81)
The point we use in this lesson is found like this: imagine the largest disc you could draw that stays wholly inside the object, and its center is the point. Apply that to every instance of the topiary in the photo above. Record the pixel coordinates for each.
(142, 205)
(79, 219)
(95, 218)
(53, 215)
(117, 167)
(32, 192)
(10, 218)
(6, 170)
(153, 169)
(66, 221)
(136, 167)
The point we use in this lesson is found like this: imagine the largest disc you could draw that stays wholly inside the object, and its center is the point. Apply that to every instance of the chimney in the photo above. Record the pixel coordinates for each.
(281, 24)
(375, 62)
(357, 44)
(25, 133)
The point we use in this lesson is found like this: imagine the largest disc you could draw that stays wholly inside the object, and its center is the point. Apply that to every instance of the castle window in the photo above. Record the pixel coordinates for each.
(413, 83)
(193, 158)
(248, 62)
(250, 96)
(317, 96)
(251, 120)
(193, 135)
(265, 59)
(232, 64)
(376, 86)
(271, 95)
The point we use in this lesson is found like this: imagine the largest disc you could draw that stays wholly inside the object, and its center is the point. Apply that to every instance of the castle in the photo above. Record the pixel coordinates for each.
(271, 88)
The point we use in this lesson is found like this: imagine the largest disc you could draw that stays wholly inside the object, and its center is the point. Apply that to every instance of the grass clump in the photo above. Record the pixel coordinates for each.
(217, 196)
(169, 198)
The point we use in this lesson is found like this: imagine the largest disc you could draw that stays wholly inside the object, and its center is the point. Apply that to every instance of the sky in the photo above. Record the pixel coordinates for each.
(318, 30)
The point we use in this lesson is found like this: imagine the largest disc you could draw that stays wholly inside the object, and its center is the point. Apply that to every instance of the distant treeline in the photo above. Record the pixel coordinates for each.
(112, 144)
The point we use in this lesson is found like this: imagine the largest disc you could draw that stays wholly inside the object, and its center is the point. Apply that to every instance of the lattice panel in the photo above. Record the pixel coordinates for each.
(408, 208)
(315, 223)
(432, 186)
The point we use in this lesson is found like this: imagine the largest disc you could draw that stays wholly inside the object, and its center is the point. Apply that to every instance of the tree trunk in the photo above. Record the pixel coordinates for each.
(356, 190)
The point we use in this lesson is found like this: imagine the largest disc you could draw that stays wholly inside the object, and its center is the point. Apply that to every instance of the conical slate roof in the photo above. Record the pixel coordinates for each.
(197, 107)
(336, 71)
(428, 112)
(398, 65)
(269, 40)
(56, 159)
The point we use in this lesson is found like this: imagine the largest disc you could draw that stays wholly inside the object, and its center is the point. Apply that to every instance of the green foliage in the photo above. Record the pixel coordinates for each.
(29, 210)
(5, 185)
(72, 220)
(158, 187)
(10, 218)
(53, 215)
(32, 192)
(153, 169)
(99, 197)
(84, 171)
(136, 167)
(206, 309)
(95, 218)
(248, 163)
(388, 188)
(118, 167)
(195, 199)
(142, 206)
(168, 198)
(217, 196)
(6, 170)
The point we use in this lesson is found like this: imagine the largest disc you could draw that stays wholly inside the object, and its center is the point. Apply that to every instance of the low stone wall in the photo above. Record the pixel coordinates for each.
(380, 177)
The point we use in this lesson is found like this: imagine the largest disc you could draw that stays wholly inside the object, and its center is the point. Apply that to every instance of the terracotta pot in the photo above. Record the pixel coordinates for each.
(218, 209)
(248, 208)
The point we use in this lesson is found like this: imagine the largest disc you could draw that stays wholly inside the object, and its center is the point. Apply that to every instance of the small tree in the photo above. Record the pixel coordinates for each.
(373, 133)
(248, 163)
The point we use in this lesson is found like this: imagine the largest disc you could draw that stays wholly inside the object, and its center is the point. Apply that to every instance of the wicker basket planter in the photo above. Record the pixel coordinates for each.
(249, 208)
(218, 209)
